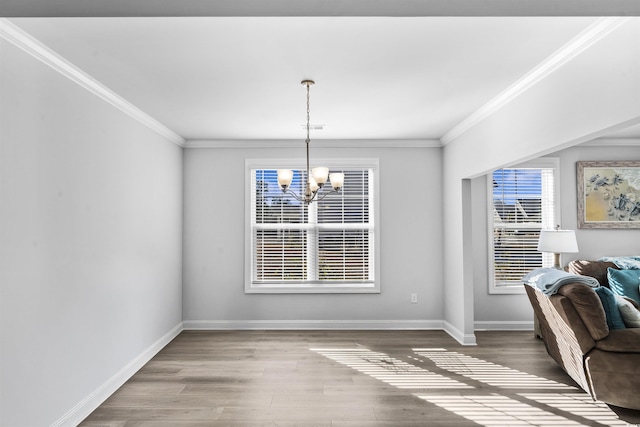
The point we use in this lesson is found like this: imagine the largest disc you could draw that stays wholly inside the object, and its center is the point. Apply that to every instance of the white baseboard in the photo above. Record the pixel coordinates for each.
(495, 325)
(458, 335)
(311, 324)
(87, 405)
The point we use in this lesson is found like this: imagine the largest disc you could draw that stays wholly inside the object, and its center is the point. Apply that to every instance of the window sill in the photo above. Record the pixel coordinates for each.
(507, 290)
(313, 288)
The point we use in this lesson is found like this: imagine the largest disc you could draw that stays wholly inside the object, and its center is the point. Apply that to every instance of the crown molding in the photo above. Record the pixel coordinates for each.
(595, 32)
(19, 38)
(612, 142)
(73, 8)
(318, 143)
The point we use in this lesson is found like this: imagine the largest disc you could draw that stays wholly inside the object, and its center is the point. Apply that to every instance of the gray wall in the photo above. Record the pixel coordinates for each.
(513, 311)
(90, 262)
(589, 94)
(409, 239)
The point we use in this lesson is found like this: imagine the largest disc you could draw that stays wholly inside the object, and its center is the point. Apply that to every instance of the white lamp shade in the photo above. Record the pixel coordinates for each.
(284, 178)
(320, 175)
(558, 241)
(313, 185)
(337, 180)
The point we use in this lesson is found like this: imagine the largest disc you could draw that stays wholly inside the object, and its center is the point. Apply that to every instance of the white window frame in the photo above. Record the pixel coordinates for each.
(547, 259)
(307, 287)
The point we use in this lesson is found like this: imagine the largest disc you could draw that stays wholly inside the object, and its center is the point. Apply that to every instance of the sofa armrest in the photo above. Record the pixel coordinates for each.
(621, 341)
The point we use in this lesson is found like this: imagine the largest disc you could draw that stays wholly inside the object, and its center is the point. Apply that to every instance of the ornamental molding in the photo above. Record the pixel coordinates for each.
(587, 38)
(19, 38)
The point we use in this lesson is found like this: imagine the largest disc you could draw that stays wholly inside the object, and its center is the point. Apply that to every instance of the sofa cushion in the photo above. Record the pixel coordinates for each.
(621, 341)
(629, 312)
(614, 376)
(608, 298)
(588, 307)
(595, 269)
(625, 282)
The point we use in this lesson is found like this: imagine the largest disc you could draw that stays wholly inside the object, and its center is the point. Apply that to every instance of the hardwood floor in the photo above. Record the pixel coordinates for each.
(351, 378)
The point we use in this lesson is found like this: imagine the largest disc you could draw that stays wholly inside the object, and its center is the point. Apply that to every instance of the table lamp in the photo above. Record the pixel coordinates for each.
(557, 241)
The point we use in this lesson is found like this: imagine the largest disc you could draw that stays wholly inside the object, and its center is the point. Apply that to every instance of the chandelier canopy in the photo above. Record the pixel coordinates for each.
(316, 177)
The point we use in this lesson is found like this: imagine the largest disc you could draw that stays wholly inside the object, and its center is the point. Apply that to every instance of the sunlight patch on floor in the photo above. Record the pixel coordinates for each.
(490, 409)
(579, 404)
(496, 410)
(487, 372)
(389, 370)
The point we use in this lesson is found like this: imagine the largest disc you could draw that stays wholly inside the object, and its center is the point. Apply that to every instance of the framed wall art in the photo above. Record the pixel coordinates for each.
(609, 194)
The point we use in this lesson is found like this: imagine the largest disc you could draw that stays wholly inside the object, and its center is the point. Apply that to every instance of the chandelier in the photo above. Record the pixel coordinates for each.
(316, 177)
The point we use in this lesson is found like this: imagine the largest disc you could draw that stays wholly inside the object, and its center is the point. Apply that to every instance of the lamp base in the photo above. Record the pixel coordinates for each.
(556, 261)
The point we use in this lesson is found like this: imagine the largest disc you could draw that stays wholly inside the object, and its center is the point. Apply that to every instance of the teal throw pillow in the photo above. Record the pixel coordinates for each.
(611, 311)
(625, 283)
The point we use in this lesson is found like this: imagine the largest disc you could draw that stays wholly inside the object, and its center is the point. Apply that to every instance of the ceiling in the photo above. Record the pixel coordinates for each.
(238, 77)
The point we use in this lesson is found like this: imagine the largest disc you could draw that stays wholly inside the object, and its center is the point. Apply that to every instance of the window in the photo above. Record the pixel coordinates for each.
(523, 202)
(326, 246)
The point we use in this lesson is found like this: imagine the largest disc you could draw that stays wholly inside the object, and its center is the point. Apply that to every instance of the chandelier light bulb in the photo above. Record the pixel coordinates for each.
(285, 176)
(320, 175)
(313, 185)
(337, 180)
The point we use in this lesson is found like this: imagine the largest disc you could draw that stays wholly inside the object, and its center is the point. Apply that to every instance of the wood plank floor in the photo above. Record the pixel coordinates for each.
(351, 378)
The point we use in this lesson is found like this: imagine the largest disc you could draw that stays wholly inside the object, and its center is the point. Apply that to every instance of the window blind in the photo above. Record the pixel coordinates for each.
(523, 204)
(327, 241)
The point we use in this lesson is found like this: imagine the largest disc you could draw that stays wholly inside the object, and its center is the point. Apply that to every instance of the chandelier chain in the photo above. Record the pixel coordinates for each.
(308, 192)
(308, 112)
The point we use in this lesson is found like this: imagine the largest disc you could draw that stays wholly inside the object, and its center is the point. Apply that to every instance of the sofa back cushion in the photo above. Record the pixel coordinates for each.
(589, 308)
(595, 269)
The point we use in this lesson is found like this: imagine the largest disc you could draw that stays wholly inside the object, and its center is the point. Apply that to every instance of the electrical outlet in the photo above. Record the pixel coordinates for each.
(414, 298)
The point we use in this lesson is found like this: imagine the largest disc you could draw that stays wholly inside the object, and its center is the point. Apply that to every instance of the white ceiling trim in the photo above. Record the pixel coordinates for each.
(70, 8)
(318, 143)
(613, 142)
(595, 32)
(35, 48)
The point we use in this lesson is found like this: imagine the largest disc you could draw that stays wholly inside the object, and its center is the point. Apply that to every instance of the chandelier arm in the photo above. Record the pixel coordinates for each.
(311, 198)
(326, 194)
(314, 196)
(294, 195)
